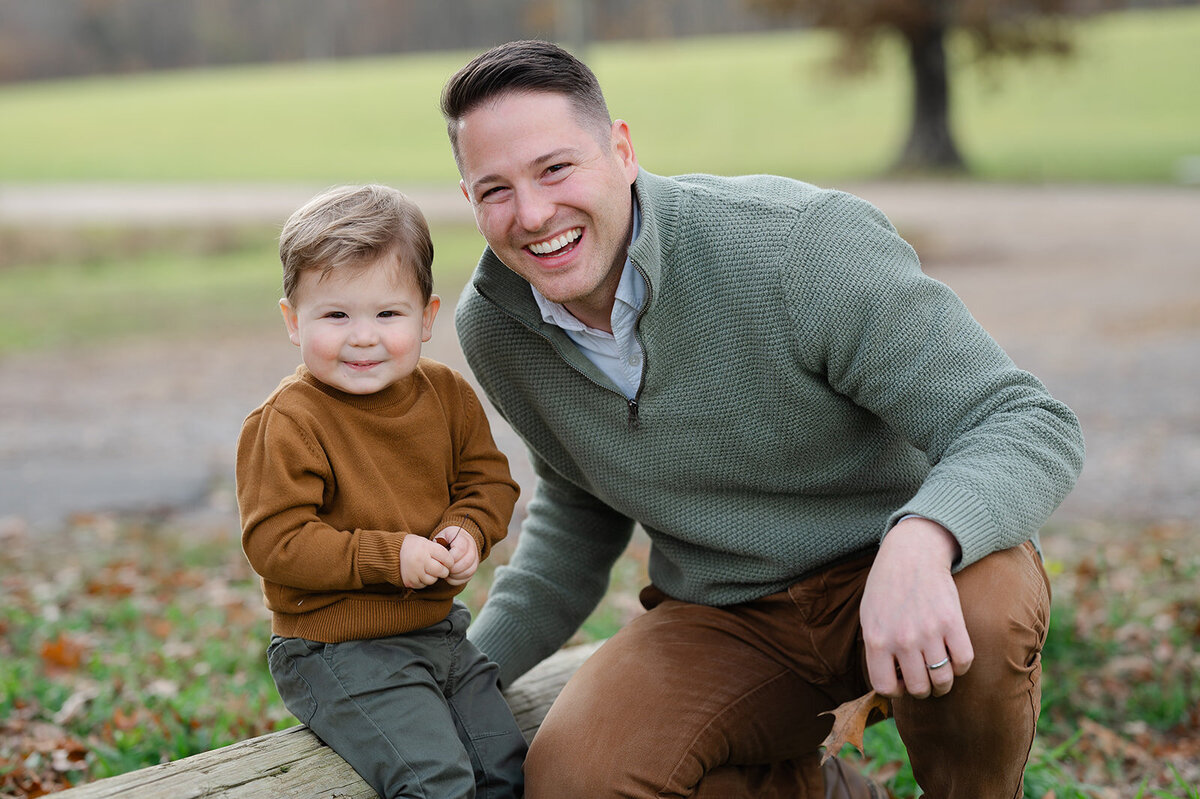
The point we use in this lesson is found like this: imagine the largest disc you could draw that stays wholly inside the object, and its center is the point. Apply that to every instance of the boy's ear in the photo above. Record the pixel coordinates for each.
(289, 319)
(428, 315)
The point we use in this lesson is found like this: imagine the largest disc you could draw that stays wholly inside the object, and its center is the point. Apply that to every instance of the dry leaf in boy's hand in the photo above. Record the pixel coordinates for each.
(850, 721)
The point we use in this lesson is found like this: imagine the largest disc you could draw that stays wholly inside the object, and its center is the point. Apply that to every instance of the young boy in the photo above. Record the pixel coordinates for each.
(370, 488)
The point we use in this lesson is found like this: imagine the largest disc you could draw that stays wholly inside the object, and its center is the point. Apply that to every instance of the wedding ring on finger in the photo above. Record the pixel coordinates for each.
(939, 664)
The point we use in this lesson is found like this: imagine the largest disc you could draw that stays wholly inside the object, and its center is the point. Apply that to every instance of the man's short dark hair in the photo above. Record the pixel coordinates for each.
(525, 66)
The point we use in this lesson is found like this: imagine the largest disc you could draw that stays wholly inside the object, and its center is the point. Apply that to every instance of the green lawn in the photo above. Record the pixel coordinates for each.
(122, 285)
(142, 640)
(1123, 109)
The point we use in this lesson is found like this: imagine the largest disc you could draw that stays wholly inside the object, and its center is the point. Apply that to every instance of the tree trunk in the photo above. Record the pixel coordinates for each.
(930, 145)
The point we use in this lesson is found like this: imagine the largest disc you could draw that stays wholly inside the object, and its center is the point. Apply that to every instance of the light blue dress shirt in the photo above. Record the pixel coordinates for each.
(618, 354)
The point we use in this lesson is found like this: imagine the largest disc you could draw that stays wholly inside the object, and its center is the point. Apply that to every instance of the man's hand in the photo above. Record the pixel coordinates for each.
(911, 617)
(464, 550)
(423, 562)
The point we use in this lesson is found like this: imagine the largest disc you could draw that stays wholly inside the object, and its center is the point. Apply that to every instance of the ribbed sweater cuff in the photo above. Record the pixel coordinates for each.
(379, 557)
(961, 512)
(471, 527)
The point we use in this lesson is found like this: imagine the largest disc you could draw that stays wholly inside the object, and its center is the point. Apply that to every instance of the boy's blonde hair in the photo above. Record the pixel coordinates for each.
(353, 225)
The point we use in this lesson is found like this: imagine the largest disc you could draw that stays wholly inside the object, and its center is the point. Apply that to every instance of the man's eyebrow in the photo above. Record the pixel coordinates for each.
(553, 155)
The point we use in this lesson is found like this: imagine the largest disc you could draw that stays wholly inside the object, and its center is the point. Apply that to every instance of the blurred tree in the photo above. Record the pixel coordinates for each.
(55, 38)
(994, 28)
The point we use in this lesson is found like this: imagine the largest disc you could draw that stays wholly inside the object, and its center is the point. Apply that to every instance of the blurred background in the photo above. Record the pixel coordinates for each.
(1043, 156)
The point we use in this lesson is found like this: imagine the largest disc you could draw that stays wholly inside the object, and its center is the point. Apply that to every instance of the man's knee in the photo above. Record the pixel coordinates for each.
(1006, 604)
(599, 740)
(557, 766)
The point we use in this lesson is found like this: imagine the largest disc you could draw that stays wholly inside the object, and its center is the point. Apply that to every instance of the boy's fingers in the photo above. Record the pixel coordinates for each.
(443, 557)
(465, 548)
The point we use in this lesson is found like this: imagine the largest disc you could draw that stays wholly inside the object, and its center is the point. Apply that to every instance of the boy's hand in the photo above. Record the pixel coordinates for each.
(464, 550)
(423, 562)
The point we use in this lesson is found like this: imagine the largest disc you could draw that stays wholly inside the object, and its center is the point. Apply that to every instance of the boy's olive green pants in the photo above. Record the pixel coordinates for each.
(416, 715)
(690, 700)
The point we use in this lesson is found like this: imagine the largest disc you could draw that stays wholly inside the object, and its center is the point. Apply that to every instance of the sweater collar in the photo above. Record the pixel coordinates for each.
(392, 395)
(658, 200)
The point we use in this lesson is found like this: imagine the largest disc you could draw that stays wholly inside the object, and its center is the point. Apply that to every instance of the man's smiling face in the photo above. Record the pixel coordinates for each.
(551, 196)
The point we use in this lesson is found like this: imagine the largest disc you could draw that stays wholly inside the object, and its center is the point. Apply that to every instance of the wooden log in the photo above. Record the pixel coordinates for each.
(294, 764)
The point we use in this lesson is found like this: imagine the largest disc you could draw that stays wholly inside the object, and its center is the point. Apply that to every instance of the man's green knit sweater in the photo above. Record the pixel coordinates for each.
(805, 385)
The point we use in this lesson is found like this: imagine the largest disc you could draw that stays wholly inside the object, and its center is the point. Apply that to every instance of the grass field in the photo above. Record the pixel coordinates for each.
(100, 286)
(1121, 110)
(143, 641)
(1116, 112)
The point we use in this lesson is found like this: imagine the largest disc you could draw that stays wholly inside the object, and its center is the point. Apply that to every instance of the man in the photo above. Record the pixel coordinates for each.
(840, 472)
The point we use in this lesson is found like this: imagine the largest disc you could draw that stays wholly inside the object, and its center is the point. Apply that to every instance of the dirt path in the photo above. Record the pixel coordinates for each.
(1096, 290)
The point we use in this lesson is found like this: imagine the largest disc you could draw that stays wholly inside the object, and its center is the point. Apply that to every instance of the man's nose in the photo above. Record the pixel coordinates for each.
(534, 209)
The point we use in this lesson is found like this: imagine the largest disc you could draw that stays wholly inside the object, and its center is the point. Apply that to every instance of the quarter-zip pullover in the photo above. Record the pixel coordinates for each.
(805, 386)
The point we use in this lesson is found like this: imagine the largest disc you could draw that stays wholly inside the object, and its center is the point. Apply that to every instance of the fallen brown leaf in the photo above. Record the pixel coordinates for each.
(63, 652)
(850, 720)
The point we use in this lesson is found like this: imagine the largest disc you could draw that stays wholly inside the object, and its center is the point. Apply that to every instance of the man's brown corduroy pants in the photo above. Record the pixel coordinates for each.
(721, 703)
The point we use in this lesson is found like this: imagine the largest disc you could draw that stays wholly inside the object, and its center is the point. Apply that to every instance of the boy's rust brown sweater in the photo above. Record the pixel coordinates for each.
(329, 483)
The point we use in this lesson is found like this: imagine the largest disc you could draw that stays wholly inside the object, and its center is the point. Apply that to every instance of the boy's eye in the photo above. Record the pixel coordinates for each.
(336, 315)
(388, 314)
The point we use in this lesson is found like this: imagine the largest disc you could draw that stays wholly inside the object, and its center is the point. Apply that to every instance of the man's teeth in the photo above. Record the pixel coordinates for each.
(555, 244)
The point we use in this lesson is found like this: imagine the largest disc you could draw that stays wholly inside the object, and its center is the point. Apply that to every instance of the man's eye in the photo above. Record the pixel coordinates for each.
(556, 172)
(491, 194)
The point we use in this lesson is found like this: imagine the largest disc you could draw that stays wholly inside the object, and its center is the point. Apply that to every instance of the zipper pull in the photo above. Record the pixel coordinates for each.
(633, 414)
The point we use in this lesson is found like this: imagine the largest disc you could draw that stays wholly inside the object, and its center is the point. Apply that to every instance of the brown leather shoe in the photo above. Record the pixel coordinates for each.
(845, 782)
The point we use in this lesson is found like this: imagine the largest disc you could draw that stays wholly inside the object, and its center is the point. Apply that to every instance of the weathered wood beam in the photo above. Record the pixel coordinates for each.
(294, 764)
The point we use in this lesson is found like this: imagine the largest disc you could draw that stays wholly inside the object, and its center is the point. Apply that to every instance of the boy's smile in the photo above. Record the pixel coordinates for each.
(360, 328)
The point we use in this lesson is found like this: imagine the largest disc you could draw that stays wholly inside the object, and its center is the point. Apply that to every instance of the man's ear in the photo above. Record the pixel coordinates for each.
(428, 315)
(289, 319)
(622, 143)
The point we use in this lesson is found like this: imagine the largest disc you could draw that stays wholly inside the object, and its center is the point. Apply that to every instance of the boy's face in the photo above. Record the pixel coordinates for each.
(360, 328)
